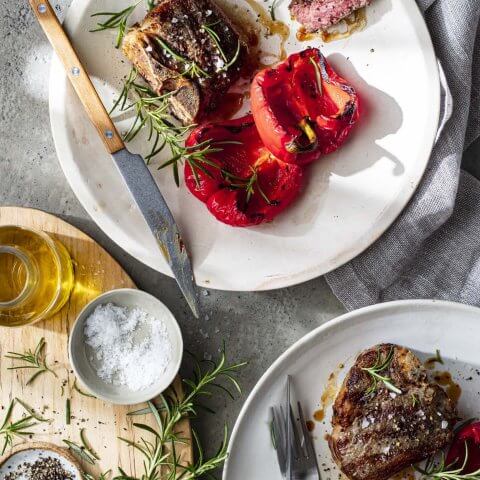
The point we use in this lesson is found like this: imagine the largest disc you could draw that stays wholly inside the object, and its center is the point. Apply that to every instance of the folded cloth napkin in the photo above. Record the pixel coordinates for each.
(433, 248)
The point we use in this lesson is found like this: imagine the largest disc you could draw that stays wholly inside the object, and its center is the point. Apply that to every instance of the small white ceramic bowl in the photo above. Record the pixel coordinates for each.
(121, 395)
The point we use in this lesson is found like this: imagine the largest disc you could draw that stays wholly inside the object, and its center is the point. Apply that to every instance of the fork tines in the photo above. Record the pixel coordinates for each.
(299, 459)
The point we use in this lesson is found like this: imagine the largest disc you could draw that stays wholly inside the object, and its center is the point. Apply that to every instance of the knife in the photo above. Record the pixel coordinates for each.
(135, 173)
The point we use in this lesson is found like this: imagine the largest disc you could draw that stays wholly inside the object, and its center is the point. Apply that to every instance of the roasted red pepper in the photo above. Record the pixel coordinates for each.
(238, 179)
(466, 440)
(302, 108)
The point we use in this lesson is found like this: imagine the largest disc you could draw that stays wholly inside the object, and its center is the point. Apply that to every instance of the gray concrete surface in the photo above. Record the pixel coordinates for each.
(256, 327)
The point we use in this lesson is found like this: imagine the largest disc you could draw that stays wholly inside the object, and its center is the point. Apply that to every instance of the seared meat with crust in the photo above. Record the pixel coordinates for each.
(375, 435)
(317, 15)
(173, 51)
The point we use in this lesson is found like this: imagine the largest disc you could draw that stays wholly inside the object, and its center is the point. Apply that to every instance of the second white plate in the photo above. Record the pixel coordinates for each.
(420, 325)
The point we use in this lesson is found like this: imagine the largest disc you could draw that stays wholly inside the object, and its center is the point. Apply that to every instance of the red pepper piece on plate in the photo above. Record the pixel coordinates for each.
(467, 439)
(302, 108)
(240, 181)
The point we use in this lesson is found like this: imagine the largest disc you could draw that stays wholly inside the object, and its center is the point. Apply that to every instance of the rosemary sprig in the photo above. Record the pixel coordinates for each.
(33, 360)
(204, 466)
(81, 452)
(441, 471)
(197, 157)
(32, 412)
(217, 41)
(160, 450)
(68, 411)
(250, 185)
(153, 113)
(102, 476)
(272, 8)
(191, 68)
(234, 58)
(80, 391)
(430, 362)
(9, 430)
(115, 20)
(215, 38)
(438, 357)
(375, 370)
(86, 445)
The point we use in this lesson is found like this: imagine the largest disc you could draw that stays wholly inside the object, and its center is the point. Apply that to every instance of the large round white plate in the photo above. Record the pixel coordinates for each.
(421, 325)
(351, 197)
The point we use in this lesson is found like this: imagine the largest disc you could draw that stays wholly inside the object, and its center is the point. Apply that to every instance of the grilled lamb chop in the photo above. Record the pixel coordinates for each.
(317, 15)
(173, 51)
(376, 432)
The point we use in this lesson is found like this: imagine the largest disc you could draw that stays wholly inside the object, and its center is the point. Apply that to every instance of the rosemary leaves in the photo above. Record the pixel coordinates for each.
(83, 452)
(159, 451)
(32, 360)
(20, 428)
(153, 114)
(117, 20)
(80, 391)
(155, 111)
(440, 471)
(272, 9)
(375, 370)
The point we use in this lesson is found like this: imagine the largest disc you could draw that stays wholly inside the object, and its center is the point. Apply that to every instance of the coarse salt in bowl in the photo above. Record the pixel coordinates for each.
(126, 347)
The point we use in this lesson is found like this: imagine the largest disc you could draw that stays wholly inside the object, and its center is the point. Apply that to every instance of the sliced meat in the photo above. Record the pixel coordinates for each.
(317, 15)
(376, 432)
(185, 46)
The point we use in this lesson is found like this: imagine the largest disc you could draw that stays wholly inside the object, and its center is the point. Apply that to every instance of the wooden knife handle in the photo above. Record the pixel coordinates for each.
(78, 76)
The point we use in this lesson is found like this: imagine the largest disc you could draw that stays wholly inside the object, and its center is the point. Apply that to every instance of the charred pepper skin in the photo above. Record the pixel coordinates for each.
(224, 188)
(302, 108)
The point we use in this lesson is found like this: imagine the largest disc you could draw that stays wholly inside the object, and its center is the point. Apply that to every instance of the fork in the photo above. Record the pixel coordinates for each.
(292, 441)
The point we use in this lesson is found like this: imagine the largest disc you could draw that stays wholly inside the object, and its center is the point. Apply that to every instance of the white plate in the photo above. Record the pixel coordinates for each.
(421, 325)
(352, 196)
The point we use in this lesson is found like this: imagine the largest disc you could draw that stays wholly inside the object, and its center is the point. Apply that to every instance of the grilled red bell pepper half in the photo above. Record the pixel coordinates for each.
(238, 179)
(467, 439)
(302, 108)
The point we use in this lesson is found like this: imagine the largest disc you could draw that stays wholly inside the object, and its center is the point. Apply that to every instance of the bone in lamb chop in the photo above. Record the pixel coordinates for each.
(318, 15)
(379, 429)
(191, 48)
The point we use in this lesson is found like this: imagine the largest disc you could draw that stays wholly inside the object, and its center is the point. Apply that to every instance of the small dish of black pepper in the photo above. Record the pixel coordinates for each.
(39, 463)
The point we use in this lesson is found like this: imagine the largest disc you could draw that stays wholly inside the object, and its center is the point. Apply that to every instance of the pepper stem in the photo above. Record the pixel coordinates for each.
(306, 141)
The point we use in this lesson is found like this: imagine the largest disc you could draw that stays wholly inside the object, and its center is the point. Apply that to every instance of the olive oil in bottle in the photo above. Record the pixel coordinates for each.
(36, 276)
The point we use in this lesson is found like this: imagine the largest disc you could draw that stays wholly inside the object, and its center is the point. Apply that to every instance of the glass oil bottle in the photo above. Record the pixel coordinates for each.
(36, 276)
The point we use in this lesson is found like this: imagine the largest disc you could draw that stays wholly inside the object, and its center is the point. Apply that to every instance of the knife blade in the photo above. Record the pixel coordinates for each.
(160, 220)
(136, 174)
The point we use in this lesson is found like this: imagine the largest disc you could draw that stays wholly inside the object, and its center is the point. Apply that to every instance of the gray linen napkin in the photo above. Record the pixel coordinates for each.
(433, 248)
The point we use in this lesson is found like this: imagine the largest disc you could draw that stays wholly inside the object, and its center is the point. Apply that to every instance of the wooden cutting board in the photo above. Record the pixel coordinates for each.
(95, 272)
